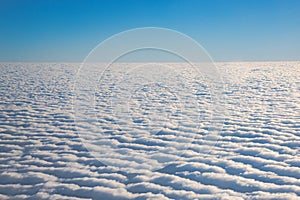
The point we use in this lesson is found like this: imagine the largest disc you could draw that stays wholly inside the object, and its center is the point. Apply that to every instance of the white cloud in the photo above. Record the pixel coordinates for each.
(256, 157)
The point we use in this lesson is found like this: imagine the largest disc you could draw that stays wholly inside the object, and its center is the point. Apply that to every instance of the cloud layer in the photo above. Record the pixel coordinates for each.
(256, 157)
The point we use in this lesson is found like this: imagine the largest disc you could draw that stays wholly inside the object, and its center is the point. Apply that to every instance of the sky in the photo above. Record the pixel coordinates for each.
(230, 30)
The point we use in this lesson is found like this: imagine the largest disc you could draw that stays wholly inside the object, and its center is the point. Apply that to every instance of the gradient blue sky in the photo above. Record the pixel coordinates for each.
(230, 30)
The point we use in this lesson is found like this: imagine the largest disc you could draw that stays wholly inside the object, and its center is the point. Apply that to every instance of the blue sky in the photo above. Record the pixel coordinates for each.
(230, 30)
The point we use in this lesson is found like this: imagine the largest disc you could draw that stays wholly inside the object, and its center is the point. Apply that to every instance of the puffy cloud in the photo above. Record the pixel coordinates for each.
(256, 155)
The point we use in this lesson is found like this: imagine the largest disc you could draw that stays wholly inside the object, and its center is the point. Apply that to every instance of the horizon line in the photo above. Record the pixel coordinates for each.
(151, 61)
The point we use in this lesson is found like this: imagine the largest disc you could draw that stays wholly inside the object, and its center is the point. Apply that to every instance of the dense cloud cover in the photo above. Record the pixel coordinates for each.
(257, 155)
